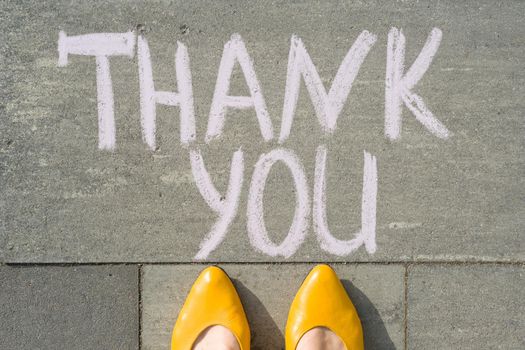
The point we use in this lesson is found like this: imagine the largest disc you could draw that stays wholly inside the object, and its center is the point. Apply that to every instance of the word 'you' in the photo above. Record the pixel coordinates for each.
(328, 105)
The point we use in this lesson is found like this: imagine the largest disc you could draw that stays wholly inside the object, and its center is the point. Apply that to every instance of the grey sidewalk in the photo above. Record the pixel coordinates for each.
(419, 306)
(100, 242)
(455, 199)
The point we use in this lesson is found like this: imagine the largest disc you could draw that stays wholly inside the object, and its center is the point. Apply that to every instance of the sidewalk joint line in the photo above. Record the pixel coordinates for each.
(405, 306)
(174, 263)
(140, 276)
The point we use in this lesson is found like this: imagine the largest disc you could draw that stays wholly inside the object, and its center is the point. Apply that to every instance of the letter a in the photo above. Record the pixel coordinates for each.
(235, 50)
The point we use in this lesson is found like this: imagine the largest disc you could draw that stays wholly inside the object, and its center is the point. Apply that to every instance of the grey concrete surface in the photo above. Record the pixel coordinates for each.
(458, 201)
(466, 307)
(267, 291)
(63, 200)
(73, 307)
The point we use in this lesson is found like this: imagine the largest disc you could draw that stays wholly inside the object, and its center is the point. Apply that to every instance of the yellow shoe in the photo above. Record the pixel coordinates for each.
(322, 301)
(212, 301)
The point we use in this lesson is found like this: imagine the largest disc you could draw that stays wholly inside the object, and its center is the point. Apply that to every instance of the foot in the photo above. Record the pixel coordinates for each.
(216, 338)
(320, 338)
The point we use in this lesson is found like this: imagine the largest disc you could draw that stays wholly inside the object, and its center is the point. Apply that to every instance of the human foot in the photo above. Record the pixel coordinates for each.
(320, 338)
(216, 338)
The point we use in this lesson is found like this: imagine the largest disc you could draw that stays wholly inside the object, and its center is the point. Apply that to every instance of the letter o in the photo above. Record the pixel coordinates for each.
(257, 232)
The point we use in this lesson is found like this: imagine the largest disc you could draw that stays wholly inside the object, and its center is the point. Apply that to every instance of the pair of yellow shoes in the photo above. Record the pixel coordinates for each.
(320, 302)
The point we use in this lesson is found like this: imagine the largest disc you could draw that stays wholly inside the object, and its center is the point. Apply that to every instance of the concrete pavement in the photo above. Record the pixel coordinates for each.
(102, 229)
(419, 306)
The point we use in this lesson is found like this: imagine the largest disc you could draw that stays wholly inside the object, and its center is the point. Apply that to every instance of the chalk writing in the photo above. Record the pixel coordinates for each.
(101, 46)
(225, 207)
(398, 87)
(367, 234)
(149, 98)
(256, 226)
(310, 206)
(235, 50)
(327, 106)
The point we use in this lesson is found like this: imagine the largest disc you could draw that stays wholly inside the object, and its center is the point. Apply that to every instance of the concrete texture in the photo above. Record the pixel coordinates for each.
(63, 200)
(81, 308)
(458, 201)
(466, 307)
(267, 292)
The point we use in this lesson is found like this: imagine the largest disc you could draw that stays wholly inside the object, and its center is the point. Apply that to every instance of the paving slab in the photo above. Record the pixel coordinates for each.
(73, 307)
(466, 307)
(267, 291)
(64, 200)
